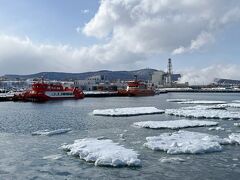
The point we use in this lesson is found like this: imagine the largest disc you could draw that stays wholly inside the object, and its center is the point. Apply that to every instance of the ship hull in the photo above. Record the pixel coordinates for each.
(44, 97)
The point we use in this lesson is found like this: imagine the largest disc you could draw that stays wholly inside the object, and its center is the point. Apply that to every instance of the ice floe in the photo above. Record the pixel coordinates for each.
(234, 138)
(53, 157)
(174, 124)
(178, 100)
(185, 142)
(134, 111)
(216, 128)
(204, 107)
(202, 102)
(103, 152)
(230, 105)
(171, 160)
(236, 101)
(237, 124)
(47, 132)
(198, 113)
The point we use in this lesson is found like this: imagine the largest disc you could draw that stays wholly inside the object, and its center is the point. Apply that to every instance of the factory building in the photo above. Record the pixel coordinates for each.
(167, 79)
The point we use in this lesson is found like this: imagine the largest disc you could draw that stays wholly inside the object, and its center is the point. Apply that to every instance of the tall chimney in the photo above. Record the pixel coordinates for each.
(170, 71)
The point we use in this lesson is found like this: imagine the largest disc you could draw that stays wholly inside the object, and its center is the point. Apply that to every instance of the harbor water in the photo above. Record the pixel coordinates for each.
(24, 156)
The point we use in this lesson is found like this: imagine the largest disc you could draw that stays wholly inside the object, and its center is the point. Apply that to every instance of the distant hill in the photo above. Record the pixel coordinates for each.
(226, 81)
(143, 74)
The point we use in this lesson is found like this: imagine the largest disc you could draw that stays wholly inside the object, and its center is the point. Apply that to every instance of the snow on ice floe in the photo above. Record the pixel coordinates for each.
(202, 102)
(207, 113)
(47, 132)
(185, 142)
(234, 138)
(103, 152)
(134, 111)
(178, 100)
(174, 124)
(236, 101)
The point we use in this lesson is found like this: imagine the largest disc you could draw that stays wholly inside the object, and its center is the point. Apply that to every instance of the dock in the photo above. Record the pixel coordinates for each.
(6, 96)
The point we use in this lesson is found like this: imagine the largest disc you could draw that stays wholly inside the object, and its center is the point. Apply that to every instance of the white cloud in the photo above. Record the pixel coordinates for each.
(207, 75)
(24, 56)
(201, 40)
(132, 31)
(150, 26)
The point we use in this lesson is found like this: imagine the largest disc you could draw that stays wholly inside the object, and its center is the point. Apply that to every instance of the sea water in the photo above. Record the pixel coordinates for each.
(24, 156)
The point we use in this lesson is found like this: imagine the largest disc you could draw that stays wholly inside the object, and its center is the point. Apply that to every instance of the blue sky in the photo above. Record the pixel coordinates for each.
(53, 21)
(117, 35)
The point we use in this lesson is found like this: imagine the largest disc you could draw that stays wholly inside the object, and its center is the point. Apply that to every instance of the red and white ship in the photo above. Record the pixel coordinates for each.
(136, 88)
(41, 92)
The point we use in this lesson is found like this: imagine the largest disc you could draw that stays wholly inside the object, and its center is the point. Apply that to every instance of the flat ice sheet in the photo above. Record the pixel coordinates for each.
(102, 152)
(202, 102)
(174, 124)
(185, 142)
(47, 132)
(198, 113)
(134, 111)
(178, 100)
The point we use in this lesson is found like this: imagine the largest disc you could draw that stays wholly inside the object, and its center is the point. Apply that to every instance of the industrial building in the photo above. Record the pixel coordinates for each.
(167, 79)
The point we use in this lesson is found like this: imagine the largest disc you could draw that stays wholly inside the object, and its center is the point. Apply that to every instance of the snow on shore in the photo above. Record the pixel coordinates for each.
(102, 152)
(178, 100)
(99, 92)
(198, 113)
(202, 102)
(51, 133)
(175, 124)
(185, 142)
(134, 111)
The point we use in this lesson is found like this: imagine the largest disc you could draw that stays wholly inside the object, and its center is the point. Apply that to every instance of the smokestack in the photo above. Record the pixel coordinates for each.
(170, 71)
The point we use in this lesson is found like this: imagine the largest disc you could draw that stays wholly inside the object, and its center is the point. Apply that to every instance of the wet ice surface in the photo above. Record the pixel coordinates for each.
(176, 124)
(102, 152)
(185, 142)
(22, 155)
(131, 111)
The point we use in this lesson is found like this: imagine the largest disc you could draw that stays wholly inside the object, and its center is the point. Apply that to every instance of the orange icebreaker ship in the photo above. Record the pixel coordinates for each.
(41, 92)
(136, 88)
